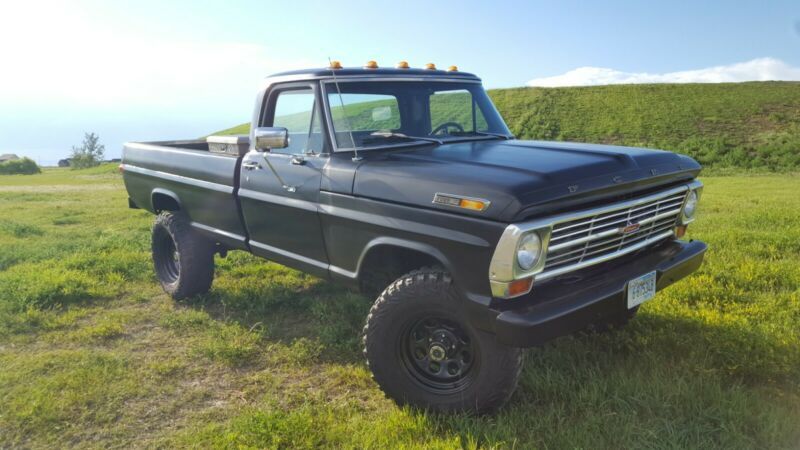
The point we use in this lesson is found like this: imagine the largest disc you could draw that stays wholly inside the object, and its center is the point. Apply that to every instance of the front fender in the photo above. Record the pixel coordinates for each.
(420, 247)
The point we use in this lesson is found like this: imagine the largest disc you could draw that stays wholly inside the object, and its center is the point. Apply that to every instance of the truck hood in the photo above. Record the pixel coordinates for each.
(521, 179)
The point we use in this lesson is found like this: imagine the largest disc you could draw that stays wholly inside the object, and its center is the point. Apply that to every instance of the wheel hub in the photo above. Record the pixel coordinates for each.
(438, 353)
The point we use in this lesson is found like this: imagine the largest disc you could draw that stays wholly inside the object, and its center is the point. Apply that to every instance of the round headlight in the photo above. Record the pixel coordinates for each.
(691, 205)
(529, 251)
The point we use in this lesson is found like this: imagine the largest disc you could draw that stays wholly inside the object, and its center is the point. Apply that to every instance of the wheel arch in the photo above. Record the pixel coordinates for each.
(393, 257)
(384, 244)
(164, 200)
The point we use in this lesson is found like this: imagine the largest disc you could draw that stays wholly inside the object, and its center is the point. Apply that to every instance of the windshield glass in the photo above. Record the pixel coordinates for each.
(380, 113)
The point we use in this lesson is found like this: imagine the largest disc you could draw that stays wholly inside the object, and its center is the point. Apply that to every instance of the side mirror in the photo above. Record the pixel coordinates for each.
(267, 138)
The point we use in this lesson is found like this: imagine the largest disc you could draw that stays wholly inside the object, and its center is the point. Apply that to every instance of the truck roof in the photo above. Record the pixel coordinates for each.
(388, 72)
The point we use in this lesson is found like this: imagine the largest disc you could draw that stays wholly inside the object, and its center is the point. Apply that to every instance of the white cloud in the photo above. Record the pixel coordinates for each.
(69, 67)
(58, 53)
(761, 69)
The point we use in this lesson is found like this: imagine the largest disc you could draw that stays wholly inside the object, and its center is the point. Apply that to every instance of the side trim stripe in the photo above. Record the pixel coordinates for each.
(179, 179)
(227, 234)
(278, 200)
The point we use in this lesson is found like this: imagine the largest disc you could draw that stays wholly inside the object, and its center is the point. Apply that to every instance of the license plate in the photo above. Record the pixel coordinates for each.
(641, 289)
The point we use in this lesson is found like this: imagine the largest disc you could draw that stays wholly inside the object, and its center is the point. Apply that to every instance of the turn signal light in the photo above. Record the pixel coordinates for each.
(335, 65)
(430, 66)
(121, 168)
(402, 65)
(519, 287)
(371, 65)
(680, 231)
(475, 205)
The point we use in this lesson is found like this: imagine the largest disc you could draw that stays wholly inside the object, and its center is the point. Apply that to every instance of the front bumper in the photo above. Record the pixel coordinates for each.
(570, 303)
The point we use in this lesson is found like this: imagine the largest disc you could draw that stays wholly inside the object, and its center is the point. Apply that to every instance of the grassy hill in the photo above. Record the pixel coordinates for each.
(745, 125)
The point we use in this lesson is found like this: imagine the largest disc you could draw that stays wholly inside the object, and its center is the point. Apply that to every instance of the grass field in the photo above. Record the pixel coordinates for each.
(93, 354)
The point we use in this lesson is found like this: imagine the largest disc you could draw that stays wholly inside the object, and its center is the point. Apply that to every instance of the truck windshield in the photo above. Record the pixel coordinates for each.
(380, 113)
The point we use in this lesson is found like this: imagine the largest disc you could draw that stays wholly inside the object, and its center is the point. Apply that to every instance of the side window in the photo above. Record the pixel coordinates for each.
(455, 107)
(297, 111)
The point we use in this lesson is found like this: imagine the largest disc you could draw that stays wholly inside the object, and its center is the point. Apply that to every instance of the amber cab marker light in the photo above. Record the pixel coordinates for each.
(680, 231)
(519, 287)
(371, 65)
(475, 205)
(402, 65)
(335, 65)
(452, 69)
(430, 66)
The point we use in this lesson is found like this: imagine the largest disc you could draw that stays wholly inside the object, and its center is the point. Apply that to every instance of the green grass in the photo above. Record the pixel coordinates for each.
(743, 125)
(93, 354)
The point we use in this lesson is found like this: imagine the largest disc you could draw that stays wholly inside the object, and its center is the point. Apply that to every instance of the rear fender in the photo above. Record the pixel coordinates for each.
(164, 200)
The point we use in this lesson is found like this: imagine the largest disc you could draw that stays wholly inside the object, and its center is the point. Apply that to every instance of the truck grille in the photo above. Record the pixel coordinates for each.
(606, 233)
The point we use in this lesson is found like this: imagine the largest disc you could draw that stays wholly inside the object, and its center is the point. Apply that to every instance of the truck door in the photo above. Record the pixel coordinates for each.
(280, 212)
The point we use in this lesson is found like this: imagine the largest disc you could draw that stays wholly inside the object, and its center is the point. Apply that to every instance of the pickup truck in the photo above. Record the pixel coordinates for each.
(405, 183)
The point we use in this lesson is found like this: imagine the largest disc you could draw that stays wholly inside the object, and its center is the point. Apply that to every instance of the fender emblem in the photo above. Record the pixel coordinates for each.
(630, 228)
(572, 188)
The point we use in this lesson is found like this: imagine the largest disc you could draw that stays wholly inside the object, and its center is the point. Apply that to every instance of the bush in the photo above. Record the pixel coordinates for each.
(89, 154)
(24, 166)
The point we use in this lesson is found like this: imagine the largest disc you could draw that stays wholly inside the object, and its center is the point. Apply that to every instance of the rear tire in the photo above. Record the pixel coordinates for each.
(183, 260)
(423, 351)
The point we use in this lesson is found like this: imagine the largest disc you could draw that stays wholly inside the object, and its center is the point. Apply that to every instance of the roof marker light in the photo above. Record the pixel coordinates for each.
(402, 65)
(371, 65)
(430, 66)
(452, 69)
(335, 65)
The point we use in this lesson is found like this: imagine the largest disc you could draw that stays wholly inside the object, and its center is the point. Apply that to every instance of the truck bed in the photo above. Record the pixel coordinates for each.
(201, 182)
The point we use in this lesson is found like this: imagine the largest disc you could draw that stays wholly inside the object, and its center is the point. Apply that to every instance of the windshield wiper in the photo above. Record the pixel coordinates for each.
(392, 134)
(484, 133)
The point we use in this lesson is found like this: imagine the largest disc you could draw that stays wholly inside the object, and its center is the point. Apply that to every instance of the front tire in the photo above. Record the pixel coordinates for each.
(423, 352)
(183, 260)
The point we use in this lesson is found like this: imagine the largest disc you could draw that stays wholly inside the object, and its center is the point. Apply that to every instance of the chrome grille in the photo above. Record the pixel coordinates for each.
(606, 233)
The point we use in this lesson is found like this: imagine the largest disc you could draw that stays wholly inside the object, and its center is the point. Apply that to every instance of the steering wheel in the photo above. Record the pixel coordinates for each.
(445, 126)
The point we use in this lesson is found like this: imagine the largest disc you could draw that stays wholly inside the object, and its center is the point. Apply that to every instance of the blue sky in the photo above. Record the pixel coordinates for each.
(151, 70)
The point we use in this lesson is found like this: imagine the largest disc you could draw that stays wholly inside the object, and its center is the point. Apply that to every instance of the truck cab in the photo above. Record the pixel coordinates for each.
(407, 185)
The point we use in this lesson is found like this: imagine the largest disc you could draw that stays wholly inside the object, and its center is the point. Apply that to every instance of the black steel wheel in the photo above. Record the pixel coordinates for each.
(438, 353)
(183, 260)
(424, 352)
(166, 256)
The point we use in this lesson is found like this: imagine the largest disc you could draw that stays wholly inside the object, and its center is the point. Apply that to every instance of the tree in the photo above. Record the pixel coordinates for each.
(89, 154)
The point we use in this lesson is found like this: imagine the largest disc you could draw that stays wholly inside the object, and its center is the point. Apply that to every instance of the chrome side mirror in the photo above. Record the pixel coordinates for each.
(267, 138)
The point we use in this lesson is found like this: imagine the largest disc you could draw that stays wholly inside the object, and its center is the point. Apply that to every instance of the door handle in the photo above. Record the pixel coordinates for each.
(251, 165)
(298, 160)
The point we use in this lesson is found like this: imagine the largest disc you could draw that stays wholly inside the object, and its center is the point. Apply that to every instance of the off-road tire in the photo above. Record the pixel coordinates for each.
(191, 269)
(490, 380)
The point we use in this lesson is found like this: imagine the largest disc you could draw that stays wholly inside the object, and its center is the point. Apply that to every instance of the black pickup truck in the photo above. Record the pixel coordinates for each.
(406, 184)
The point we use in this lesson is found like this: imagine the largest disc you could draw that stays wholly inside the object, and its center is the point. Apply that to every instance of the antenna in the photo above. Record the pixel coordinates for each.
(344, 113)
